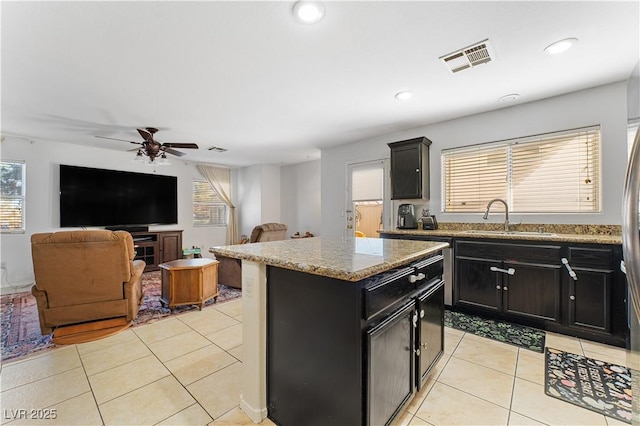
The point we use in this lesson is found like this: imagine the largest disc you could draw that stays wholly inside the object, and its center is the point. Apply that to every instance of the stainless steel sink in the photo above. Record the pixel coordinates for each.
(523, 233)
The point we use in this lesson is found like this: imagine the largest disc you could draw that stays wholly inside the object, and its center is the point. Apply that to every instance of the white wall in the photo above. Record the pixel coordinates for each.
(633, 94)
(42, 203)
(605, 105)
(257, 197)
(300, 197)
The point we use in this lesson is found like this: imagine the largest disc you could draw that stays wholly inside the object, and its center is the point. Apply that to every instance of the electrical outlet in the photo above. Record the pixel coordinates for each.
(3, 265)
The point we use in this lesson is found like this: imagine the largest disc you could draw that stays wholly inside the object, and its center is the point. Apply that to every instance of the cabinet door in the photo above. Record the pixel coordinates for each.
(476, 285)
(431, 342)
(170, 246)
(390, 365)
(406, 176)
(532, 291)
(590, 299)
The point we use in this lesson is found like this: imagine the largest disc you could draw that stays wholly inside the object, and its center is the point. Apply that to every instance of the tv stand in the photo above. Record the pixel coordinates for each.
(156, 247)
(129, 229)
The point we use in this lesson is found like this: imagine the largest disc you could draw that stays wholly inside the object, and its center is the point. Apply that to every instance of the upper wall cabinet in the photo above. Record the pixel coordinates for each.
(410, 169)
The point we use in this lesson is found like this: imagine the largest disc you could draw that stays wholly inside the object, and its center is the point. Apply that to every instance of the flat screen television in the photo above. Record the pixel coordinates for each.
(112, 198)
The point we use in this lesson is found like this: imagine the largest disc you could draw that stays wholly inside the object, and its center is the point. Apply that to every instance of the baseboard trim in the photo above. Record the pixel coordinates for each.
(257, 415)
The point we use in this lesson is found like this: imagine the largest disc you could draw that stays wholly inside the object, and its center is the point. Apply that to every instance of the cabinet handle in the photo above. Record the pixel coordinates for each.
(505, 288)
(421, 313)
(414, 319)
(572, 297)
(414, 278)
(498, 287)
(572, 273)
(417, 351)
(417, 170)
(509, 271)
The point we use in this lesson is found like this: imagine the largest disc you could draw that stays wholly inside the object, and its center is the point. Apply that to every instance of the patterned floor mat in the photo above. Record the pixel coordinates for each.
(589, 383)
(519, 335)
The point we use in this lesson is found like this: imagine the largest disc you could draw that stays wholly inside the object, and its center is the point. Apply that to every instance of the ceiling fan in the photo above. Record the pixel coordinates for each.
(151, 148)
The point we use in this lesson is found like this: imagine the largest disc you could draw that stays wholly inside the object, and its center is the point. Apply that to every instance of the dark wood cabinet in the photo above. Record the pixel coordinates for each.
(590, 290)
(541, 292)
(410, 169)
(514, 279)
(533, 284)
(351, 353)
(156, 247)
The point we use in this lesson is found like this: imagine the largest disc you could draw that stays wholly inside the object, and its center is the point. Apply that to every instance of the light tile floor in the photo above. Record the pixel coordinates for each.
(185, 370)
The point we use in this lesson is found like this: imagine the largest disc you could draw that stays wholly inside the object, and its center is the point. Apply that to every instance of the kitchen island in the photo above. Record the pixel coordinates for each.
(319, 317)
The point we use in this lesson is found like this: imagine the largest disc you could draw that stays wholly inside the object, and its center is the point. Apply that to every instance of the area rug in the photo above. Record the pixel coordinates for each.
(589, 383)
(514, 334)
(21, 328)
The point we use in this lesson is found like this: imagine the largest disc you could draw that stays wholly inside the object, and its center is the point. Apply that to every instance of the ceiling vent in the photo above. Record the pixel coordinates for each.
(468, 57)
(217, 149)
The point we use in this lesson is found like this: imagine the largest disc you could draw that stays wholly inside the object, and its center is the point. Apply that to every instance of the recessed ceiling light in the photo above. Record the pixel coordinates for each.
(403, 96)
(560, 46)
(308, 12)
(509, 97)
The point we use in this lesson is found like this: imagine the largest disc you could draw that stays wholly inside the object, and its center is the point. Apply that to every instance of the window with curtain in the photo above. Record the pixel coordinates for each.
(208, 207)
(12, 202)
(552, 173)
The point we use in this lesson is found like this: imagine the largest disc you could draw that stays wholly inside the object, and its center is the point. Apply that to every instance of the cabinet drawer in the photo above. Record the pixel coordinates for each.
(592, 258)
(432, 267)
(385, 291)
(530, 253)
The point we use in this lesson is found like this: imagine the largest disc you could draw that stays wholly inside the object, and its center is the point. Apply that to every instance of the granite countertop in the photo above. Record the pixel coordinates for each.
(349, 259)
(530, 236)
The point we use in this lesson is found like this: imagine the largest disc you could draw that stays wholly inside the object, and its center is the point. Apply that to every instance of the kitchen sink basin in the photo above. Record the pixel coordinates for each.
(523, 233)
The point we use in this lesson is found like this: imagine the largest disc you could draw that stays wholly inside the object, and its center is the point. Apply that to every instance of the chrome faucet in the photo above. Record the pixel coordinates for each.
(506, 212)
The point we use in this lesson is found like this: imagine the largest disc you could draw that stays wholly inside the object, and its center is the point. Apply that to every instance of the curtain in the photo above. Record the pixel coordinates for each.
(220, 180)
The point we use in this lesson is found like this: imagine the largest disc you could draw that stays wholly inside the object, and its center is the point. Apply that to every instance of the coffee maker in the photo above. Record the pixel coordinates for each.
(407, 217)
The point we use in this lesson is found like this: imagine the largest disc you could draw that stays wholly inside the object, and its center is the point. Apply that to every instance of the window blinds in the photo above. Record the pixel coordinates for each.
(208, 207)
(551, 173)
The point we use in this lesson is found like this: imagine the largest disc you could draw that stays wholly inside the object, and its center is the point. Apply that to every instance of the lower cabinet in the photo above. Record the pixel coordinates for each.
(349, 353)
(573, 289)
(513, 279)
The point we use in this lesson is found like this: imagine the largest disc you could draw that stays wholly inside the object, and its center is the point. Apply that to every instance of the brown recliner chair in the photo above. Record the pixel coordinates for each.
(86, 276)
(230, 270)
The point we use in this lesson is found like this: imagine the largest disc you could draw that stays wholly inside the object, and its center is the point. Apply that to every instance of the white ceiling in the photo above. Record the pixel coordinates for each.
(247, 77)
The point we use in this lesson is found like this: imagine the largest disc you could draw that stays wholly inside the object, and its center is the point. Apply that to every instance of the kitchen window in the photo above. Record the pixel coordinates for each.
(208, 207)
(12, 189)
(551, 173)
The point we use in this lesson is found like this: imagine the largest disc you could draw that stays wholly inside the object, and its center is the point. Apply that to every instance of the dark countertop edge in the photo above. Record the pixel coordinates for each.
(477, 235)
(327, 271)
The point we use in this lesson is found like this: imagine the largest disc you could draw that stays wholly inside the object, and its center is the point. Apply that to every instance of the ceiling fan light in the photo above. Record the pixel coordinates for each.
(163, 160)
(139, 158)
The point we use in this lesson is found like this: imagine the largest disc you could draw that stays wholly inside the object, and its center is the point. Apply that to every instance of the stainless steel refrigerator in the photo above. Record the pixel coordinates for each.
(631, 265)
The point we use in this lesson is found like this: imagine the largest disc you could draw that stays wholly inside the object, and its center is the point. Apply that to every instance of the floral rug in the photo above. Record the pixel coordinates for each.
(21, 327)
(595, 385)
(519, 335)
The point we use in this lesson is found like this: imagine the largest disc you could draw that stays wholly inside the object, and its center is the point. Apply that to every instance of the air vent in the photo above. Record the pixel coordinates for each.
(217, 149)
(468, 57)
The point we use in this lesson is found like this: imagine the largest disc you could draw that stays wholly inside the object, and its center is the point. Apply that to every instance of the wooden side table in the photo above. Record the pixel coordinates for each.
(189, 281)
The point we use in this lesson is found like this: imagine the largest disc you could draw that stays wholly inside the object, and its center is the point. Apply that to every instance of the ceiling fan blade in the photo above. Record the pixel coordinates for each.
(181, 145)
(173, 152)
(146, 135)
(114, 139)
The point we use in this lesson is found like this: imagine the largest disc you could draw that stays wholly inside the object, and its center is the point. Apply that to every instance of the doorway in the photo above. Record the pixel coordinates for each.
(366, 206)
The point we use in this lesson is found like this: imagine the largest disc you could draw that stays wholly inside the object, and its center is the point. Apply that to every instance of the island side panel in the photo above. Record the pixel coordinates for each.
(314, 350)
(253, 397)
